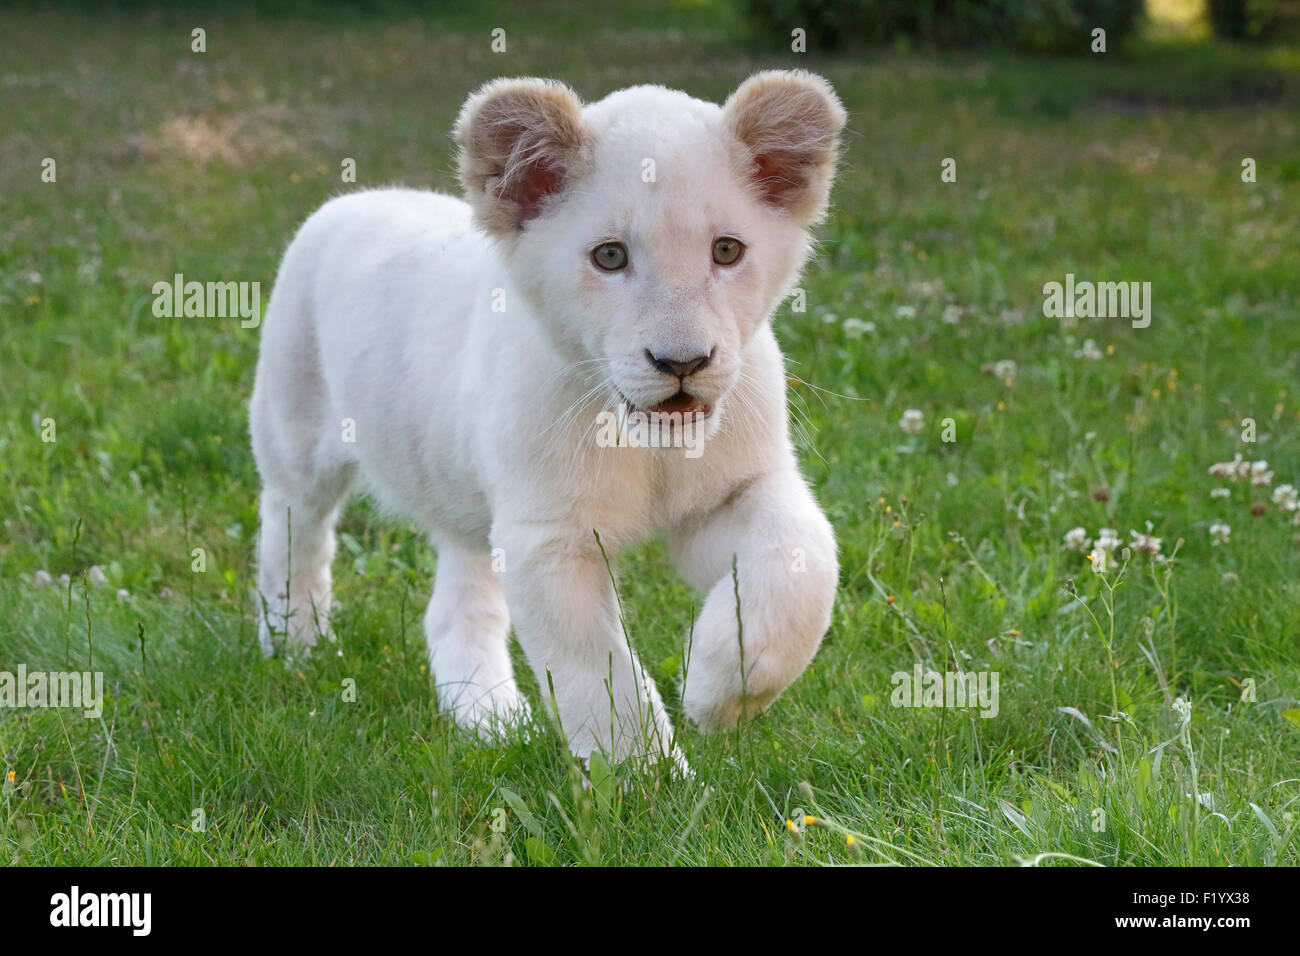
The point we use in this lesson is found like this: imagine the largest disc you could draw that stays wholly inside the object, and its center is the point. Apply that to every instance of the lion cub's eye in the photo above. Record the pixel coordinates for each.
(727, 251)
(610, 256)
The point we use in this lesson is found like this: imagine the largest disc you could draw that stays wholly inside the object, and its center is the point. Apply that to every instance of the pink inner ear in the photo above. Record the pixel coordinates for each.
(541, 179)
(774, 174)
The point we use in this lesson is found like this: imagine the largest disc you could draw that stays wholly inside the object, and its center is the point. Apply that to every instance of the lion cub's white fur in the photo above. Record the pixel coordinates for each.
(451, 359)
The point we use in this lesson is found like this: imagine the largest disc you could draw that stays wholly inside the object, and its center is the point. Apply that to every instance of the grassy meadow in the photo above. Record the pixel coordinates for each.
(1148, 715)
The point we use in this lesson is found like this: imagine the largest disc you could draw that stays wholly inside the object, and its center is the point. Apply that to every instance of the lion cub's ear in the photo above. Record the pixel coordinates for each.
(789, 121)
(521, 141)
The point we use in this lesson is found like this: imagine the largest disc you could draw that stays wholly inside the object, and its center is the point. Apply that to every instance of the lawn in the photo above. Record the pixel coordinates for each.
(1147, 714)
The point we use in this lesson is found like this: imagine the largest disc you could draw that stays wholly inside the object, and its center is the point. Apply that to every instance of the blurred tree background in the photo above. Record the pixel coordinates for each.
(1032, 25)
(1055, 25)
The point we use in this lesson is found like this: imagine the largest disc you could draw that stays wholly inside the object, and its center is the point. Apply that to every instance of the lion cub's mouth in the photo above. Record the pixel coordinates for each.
(683, 403)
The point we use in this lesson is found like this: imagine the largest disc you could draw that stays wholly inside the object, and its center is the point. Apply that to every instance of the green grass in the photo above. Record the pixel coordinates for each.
(1123, 167)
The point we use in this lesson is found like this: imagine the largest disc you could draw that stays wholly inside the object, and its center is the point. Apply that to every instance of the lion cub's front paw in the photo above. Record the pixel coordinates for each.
(716, 699)
(714, 693)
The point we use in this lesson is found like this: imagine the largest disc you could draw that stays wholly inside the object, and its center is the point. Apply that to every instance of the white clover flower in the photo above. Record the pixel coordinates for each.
(912, 422)
(853, 328)
(905, 312)
(88, 270)
(1220, 493)
(1228, 469)
(1145, 543)
(1219, 533)
(1089, 351)
(1108, 538)
(1076, 539)
(1259, 473)
(97, 577)
(42, 579)
(952, 314)
(123, 594)
(1005, 368)
(1285, 497)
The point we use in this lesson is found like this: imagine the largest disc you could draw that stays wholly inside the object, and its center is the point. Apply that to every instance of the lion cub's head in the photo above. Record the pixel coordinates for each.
(652, 232)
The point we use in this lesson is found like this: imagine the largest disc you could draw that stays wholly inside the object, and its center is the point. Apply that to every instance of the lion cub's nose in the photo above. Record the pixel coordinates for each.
(680, 368)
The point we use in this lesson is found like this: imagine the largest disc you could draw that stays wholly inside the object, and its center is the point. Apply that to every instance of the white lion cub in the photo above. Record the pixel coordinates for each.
(584, 346)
